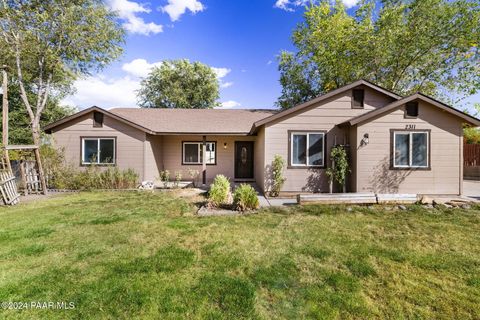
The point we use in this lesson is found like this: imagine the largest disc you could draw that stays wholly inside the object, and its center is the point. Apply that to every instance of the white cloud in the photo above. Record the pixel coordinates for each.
(230, 104)
(221, 72)
(104, 93)
(289, 5)
(176, 8)
(128, 11)
(139, 67)
(226, 84)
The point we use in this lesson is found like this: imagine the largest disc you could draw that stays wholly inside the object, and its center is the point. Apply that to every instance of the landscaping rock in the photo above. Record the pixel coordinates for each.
(402, 207)
(349, 209)
(147, 185)
(428, 206)
(426, 200)
(466, 206)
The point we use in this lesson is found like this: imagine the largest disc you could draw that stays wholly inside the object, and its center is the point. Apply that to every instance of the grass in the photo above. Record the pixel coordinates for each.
(141, 255)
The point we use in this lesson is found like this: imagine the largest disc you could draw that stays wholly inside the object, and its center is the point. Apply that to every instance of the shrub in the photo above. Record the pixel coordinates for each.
(245, 198)
(340, 168)
(62, 175)
(278, 165)
(219, 191)
(165, 177)
(193, 173)
(178, 178)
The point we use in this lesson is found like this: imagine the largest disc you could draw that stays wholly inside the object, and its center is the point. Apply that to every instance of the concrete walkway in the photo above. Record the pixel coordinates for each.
(471, 188)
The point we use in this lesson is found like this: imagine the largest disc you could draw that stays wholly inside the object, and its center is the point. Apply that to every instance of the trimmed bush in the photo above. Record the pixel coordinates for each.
(219, 191)
(245, 198)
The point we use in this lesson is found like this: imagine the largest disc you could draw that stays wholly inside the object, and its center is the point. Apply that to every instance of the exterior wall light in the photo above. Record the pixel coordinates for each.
(224, 145)
(365, 140)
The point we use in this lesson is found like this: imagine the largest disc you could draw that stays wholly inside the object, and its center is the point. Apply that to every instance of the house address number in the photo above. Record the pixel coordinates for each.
(410, 127)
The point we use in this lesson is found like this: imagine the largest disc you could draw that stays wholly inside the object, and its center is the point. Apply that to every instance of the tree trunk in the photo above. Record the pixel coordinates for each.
(36, 140)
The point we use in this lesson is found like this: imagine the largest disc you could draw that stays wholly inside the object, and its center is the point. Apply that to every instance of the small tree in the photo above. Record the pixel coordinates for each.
(339, 170)
(278, 164)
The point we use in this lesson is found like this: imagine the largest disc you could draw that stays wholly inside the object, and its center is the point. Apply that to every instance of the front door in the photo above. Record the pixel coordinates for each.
(243, 160)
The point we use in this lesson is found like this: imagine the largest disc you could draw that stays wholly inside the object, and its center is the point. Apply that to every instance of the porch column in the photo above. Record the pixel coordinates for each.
(204, 161)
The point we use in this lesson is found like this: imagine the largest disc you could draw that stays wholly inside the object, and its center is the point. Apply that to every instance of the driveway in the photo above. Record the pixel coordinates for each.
(471, 188)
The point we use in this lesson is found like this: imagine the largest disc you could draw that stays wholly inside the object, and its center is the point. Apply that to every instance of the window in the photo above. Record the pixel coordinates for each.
(410, 149)
(97, 119)
(98, 150)
(411, 109)
(307, 149)
(358, 96)
(192, 153)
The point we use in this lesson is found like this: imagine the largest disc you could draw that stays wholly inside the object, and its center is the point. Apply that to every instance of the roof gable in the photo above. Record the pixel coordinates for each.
(323, 98)
(417, 96)
(55, 124)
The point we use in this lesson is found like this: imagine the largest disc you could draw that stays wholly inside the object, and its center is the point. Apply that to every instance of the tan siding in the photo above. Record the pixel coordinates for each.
(323, 116)
(130, 141)
(374, 173)
(153, 157)
(259, 164)
(172, 155)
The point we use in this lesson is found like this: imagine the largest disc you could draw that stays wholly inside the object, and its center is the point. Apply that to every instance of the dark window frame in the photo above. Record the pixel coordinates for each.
(115, 153)
(355, 101)
(429, 149)
(201, 143)
(306, 166)
(409, 105)
(98, 122)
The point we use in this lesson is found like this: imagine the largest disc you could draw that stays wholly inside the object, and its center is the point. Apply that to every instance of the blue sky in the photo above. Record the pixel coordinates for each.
(239, 39)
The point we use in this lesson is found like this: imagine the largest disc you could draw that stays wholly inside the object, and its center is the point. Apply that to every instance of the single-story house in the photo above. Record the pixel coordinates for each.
(395, 144)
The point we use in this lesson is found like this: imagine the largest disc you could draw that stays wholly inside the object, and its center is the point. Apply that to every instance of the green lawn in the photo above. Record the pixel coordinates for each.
(142, 255)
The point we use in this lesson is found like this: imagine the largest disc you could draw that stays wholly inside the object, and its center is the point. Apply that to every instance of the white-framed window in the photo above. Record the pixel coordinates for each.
(192, 153)
(411, 149)
(98, 150)
(307, 149)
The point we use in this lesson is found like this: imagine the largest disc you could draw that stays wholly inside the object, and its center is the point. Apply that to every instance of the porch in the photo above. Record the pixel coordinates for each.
(199, 158)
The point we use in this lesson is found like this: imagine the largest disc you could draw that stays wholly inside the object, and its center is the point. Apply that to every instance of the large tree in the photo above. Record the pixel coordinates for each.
(403, 45)
(180, 84)
(19, 129)
(49, 43)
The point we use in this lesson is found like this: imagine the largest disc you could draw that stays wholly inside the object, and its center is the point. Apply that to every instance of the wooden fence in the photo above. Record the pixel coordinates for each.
(471, 155)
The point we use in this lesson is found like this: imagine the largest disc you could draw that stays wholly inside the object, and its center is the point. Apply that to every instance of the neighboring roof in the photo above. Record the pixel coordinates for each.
(182, 121)
(55, 124)
(324, 97)
(417, 96)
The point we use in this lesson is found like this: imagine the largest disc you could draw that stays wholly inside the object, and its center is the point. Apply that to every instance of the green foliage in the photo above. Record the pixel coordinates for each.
(47, 45)
(219, 191)
(405, 46)
(165, 177)
(245, 198)
(471, 134)
(278, 164)
(62, 175)
(178, 178)
(179, 84)
(340, 169)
